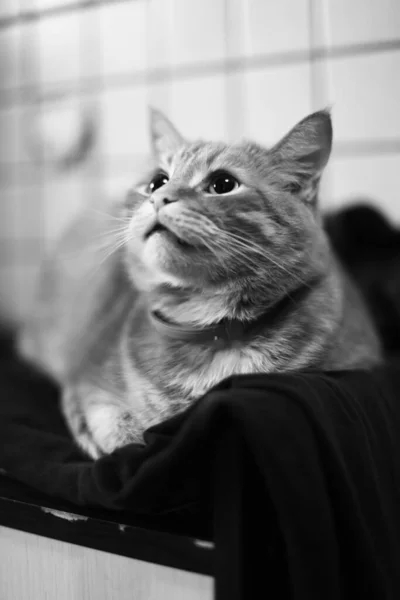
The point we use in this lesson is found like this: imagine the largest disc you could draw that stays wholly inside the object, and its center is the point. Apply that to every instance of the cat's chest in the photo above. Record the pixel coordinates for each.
(185, 371)
(198, 373)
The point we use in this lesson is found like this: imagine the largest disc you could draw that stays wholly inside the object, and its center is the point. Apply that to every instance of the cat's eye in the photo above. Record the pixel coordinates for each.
(222, 183)
(294, 187)
(158, 180)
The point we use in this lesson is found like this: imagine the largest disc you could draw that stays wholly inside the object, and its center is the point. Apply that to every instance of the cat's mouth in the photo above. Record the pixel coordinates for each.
(158, 228)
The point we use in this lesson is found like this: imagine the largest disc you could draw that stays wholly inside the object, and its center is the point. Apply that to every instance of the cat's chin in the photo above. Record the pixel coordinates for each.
(165, 252)
(188, 265)
(161, 234)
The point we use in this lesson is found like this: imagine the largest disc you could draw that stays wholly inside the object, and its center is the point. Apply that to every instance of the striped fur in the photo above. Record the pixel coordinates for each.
(244, 250)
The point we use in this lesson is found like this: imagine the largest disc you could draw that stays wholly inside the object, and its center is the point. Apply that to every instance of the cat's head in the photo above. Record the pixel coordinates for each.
(212, 213)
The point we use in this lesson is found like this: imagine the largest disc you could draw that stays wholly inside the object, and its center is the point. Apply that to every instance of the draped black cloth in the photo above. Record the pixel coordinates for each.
(300, 472)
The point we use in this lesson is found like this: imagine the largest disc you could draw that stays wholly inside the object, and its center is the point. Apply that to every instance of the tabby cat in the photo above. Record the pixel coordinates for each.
(218, 265)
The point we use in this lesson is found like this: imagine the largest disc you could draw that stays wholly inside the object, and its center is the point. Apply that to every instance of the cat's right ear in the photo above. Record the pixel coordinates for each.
(303, 153)
(309, 143)
(165, 138)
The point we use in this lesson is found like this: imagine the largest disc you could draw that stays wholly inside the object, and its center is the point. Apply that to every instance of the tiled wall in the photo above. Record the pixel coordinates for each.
(219, 68)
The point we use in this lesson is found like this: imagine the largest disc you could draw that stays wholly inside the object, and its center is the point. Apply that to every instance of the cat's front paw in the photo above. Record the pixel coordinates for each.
(77, 424)
(97, 422)
(111, 427)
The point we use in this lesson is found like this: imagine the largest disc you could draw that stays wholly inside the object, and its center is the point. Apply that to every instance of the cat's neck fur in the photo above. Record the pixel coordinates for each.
(243, 300)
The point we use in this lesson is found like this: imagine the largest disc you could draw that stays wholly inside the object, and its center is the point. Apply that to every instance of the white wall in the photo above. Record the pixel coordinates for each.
(219, 68)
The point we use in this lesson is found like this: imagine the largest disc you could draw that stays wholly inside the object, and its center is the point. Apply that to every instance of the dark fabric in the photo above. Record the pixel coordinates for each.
(369, 246)
(300, 471)
(303, 471)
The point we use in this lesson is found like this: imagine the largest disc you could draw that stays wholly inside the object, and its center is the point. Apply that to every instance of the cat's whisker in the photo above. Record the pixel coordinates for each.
(196, 231)
(111, 251)
(97, 247)
(261, 249)
(221, 242)
(108, 215)
(215, 233)
(250, 245)
(252, 263)
(256, 264)
(110, 233)
(255, 248)
(103, 239)
(115, 242)
(213, 250)
(217, 241)
(95, 271)
(218, 249)
(206, 232)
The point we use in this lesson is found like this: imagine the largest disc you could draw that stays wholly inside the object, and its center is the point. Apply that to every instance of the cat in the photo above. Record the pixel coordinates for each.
(220, 265)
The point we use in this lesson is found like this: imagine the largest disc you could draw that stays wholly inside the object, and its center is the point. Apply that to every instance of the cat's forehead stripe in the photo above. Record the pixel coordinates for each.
(191, 163)
(194, 162)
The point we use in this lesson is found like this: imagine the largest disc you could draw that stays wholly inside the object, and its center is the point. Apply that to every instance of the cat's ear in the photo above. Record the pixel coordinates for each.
(304, 152)
(165, 138)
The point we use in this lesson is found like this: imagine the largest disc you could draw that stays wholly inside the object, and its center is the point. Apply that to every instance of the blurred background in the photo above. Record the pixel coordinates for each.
(76, 79)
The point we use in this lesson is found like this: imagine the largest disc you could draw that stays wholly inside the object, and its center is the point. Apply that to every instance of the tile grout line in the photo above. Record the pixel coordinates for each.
(229, 65)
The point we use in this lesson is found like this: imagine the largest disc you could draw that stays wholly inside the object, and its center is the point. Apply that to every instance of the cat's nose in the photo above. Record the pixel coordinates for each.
(160, 200)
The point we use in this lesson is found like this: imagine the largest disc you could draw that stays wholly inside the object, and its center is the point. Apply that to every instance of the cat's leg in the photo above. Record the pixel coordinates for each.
(97, 421)
(75, 417)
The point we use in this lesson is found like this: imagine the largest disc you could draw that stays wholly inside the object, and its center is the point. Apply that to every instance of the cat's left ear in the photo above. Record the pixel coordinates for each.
(164, 136)
(303, 153)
